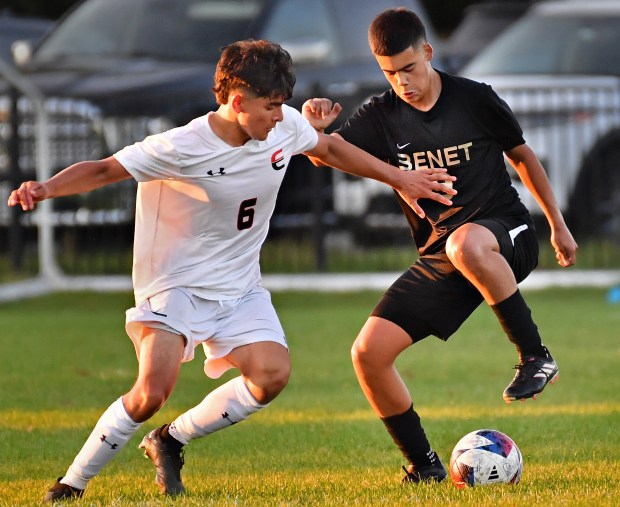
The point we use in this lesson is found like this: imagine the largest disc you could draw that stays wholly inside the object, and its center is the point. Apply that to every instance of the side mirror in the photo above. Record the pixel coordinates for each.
(22, 52)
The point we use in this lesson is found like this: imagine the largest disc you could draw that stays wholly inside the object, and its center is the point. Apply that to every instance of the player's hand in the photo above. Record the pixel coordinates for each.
(435, 184)
(320, 112)
(28, 194)
(564, 245)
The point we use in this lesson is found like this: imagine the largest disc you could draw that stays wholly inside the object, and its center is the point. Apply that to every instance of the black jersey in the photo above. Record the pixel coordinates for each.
(466, 131)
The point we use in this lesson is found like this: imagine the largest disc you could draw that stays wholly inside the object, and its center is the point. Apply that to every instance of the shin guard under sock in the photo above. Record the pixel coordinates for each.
(229, 404)
(111, 433)
(408, 435)
(516, 320)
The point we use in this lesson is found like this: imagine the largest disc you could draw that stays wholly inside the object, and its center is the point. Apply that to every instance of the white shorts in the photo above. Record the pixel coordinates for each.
(220, 326)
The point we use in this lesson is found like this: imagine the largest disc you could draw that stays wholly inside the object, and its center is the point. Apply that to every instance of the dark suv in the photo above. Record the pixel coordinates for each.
(117, 70)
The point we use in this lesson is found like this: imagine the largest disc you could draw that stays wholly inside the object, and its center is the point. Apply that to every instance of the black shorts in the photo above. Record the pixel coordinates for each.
(433, 298)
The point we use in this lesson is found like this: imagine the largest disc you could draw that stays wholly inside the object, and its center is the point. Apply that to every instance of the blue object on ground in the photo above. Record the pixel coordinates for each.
(613, 296)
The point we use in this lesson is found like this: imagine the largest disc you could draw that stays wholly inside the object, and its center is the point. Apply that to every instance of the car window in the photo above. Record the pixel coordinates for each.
(546, 45)
(193, 29)
(315, 41)
(354, 23)
(596, 48)
(96, 27)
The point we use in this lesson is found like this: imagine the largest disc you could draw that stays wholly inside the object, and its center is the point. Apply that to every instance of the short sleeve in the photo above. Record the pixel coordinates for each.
(155, 158)
(306, 137)
(366, 128)
(501, 122)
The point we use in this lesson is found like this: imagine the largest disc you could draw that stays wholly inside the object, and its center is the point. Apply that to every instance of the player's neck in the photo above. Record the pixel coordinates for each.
(226, 127)
(429, 99)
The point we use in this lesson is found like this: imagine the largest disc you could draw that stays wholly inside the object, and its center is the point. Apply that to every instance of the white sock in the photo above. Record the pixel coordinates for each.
(111, 433)
(229, 404)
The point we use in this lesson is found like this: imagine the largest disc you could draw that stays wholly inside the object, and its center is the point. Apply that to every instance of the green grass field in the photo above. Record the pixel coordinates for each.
(65, 358)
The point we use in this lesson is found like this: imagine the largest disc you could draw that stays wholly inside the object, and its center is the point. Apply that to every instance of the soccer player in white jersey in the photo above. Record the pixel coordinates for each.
(206, 192)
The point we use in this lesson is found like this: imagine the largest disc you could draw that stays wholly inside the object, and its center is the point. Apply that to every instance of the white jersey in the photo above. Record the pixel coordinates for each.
(203, 207)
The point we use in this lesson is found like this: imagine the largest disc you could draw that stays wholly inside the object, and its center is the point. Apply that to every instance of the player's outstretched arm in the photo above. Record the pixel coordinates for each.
(333, 151)
(75, 179)
(534, 177)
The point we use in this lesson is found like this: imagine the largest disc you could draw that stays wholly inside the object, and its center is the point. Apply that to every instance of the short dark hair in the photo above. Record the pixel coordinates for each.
(395, 30)
(261, 66)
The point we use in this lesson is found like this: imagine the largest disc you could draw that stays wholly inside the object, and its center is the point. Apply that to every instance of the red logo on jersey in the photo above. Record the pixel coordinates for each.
(276, 160)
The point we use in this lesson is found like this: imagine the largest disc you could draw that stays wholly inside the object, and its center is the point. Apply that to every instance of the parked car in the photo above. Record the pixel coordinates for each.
(558, 67)
(118, 70)
(559, 70)
(481, 23)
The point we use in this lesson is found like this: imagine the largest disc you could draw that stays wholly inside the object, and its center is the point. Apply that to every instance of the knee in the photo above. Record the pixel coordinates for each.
(376, 348)
(463, 250)
(270, 380)
(361, 356)
(277, 379)
(142, 402)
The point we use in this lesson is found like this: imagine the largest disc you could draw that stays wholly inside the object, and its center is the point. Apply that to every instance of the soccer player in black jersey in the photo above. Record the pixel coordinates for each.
(477, 249)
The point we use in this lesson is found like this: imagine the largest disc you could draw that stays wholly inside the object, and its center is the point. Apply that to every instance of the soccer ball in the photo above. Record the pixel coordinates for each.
(485, 457)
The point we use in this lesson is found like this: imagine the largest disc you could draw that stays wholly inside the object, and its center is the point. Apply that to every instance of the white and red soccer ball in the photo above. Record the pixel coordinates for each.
(485, 457)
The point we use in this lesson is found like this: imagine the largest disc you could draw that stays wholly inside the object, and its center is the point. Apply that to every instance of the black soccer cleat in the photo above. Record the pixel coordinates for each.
(430, 473)
(168, 457)
(533, 374)
(60, 491)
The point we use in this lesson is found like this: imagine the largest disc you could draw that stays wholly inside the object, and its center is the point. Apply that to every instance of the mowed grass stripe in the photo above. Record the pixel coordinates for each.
(20, 420)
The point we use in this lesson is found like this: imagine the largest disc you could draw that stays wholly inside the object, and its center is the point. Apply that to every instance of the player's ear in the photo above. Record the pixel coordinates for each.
(428, 51)
(236, 102)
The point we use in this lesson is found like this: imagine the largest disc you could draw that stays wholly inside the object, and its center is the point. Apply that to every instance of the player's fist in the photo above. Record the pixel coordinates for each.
(28, 194)
(320, 112)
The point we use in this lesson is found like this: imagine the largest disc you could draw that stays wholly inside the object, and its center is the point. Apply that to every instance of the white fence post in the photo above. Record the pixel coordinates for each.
(48, 269)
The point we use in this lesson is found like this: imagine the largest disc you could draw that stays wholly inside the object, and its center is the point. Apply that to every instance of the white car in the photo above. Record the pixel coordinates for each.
(559, 70)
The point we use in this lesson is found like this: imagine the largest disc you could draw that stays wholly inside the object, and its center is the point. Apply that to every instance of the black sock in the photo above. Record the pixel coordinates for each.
(408, 435)
(515, 318)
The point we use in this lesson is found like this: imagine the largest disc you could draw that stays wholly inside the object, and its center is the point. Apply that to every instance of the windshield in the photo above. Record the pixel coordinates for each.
(553, 45)
(188, 30)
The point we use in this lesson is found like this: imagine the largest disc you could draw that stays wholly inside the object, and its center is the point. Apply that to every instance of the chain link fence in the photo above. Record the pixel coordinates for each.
(324, 222)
